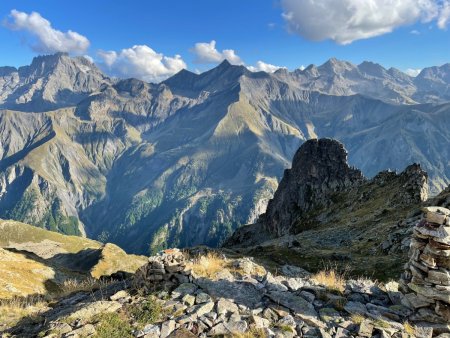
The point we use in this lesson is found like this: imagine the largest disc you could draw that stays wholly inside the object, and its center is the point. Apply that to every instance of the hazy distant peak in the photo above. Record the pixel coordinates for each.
(372, 68)
(336, 66)
(7, 70)
(224, 64)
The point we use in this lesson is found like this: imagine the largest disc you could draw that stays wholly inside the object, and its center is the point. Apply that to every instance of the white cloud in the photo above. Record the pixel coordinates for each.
(415, 32)
(142, 62)
(264, 67)
(207, 53)
(89, 58)
(345, 21)
(444, 15)
(413, 72)
(46, 39)
(108, 57)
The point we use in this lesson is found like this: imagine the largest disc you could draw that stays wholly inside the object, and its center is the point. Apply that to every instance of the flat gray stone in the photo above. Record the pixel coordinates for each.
(225, 306)
(355, 308)
(184, 289)
(167, 328)
(240, 292)
(293, 302)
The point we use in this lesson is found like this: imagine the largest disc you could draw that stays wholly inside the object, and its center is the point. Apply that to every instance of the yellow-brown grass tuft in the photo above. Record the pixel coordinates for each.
(88, 284)
(409, 329)
(252, 333)
(357, 319)
(208, 265)
(14, 309)
(331, 279)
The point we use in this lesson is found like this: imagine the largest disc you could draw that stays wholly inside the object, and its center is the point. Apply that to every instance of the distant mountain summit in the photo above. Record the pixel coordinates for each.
(50, 82)
(188, 160)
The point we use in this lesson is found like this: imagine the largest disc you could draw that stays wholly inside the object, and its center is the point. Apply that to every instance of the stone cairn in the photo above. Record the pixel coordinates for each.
(426, 279)
(163, 271)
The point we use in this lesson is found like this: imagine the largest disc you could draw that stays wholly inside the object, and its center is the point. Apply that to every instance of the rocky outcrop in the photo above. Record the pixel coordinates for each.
(321, 180)
(427, 276)
(324, 210)
(442, 200)
(319, 171)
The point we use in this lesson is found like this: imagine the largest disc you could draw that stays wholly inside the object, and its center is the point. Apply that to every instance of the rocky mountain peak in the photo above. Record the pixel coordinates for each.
(43, 65)
(133, 87)
(336, 66)
(372, 69)
(224, 64)
(441, 73)
(222, 77)
(319, 168)
(6, 71)
(50, 82)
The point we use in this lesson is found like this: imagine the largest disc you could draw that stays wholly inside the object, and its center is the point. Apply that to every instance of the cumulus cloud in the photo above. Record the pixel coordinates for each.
(413, 72)
(45, 38)
(108, 57)
(142, 62)
(264, 67)
(444, 16)
(206, 53)
(89, 58)
(345, 21)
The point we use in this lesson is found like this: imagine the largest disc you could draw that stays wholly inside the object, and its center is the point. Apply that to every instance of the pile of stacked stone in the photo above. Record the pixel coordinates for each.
(163, 271)
(427, 275)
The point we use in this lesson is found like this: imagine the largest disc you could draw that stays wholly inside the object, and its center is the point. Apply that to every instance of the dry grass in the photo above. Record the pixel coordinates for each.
(14, 309)
(22, 275)
(331, 279)
(252, 333)
(409, 329)
(88, 284)
(381, 323)
(257, 270)
(357, 319)
(208, 265)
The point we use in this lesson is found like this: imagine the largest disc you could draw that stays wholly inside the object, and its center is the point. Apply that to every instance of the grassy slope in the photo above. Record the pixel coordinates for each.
(36, 261)
(12, 232)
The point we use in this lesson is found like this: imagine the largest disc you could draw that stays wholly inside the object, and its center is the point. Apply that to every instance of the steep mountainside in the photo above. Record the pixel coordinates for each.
(326, 211)
(187, 161)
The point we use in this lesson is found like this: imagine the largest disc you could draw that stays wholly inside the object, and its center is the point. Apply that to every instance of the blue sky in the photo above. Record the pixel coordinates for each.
(290, 33)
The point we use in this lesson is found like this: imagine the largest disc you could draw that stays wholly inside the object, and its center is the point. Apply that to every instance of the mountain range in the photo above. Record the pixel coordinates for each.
(188, 160)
